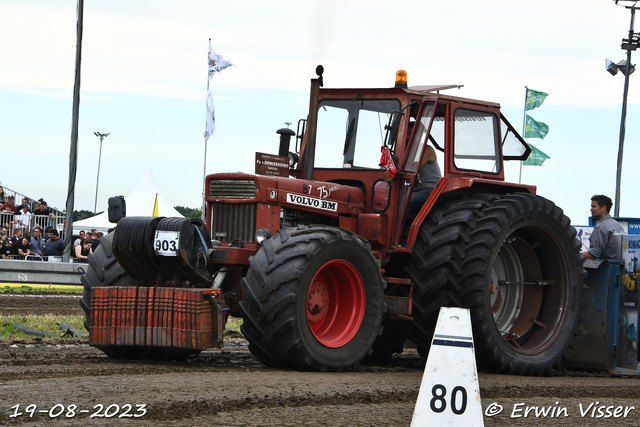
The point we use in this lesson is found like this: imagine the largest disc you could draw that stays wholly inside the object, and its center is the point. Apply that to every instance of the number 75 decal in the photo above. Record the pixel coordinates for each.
(166, 243)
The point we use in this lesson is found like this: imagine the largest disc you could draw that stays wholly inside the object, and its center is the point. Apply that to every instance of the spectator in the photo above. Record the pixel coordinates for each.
(17, 235)
(92, 236)
(96, 239)
(23, 219)
(8, 251)
(8, 210)
(2, 196)
(83, 250)
(4, 232)
(23, 248)
(54, 246)
(10, 206)
(78, 240)
(47, 234)
(43, 212)
(37, 242)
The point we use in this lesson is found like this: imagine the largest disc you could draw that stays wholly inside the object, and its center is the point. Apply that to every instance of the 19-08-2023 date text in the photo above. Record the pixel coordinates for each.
(71, 411)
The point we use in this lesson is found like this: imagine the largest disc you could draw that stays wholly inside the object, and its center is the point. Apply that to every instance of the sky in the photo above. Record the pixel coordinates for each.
(144, 81)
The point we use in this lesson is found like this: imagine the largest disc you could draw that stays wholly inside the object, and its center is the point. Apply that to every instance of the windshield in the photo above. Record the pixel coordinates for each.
(351, 132)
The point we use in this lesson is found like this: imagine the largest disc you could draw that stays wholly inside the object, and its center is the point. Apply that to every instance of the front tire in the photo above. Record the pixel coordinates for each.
(312, 299)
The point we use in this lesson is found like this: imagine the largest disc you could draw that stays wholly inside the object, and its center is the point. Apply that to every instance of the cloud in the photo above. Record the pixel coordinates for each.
(156, 49)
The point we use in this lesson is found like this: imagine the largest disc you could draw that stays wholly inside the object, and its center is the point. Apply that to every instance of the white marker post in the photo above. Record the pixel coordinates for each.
(450, 393)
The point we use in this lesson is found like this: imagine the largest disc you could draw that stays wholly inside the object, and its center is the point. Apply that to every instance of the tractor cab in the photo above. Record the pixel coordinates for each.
(374, 140)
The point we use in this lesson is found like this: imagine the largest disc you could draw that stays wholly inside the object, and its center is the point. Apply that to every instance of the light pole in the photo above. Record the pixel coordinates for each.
(629, 44)
(101, 136)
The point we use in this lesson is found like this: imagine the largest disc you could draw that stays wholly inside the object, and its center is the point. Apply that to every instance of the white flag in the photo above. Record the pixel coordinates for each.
(216, 62)
(211, 117)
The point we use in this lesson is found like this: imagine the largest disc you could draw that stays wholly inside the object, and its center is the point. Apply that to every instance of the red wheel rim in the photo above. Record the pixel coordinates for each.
(335, 303)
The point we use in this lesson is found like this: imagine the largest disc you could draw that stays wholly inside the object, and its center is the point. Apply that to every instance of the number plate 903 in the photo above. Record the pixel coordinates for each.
(166, 243)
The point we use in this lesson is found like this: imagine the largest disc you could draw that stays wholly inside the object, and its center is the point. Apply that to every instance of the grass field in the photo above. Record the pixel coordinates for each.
(19, 287)
(46, 323)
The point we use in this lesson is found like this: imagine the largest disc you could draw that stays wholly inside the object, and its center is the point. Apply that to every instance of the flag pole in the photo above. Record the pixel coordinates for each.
(73, 149)
(524, 127)
(204, 173)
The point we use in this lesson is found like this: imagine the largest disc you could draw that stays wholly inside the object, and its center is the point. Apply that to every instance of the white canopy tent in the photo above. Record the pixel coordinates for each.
(141, 201)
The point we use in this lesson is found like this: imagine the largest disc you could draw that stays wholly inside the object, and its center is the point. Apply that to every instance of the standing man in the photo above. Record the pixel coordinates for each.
(54, 246)
(37, 242)
(606, 239)
(23, 218)
(45, 215)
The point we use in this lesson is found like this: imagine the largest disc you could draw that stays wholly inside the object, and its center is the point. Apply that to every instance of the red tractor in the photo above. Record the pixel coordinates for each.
(320, 255)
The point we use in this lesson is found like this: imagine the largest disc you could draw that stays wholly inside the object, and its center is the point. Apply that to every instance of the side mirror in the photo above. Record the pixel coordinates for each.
(392, 129)
(117, 209)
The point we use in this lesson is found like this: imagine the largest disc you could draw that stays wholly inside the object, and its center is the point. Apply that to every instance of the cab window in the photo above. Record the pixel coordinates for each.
(476, 142)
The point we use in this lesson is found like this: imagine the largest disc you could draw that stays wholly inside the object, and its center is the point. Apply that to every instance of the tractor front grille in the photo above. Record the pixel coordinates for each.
(232, 189)
(233, 221)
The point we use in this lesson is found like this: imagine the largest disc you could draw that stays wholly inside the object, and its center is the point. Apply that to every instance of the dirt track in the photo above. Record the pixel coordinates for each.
(39, 303)
(230, 387)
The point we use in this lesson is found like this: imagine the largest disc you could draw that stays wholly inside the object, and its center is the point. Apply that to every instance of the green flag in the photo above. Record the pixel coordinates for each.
(534, 99)
(536, 158)
(535, 129)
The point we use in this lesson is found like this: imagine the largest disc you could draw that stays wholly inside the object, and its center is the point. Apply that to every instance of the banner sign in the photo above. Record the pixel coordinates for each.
(269, 164)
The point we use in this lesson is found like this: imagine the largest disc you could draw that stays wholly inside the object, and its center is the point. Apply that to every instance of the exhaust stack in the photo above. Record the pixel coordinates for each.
(310, 149)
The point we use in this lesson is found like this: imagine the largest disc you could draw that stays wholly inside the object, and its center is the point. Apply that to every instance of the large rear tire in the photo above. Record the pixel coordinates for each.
(514, 261)
(103, 270)
(312, 299)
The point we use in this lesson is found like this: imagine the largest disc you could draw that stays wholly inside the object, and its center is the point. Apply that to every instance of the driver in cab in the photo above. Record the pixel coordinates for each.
(428, 176)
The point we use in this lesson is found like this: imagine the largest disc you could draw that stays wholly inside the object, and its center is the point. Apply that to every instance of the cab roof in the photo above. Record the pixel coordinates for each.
(427, 90)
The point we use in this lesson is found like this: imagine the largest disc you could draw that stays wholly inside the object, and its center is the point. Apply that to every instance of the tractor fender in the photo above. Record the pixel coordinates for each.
(451, 187)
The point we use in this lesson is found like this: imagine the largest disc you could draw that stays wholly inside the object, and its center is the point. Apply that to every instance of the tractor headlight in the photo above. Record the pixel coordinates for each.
(262, 234)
